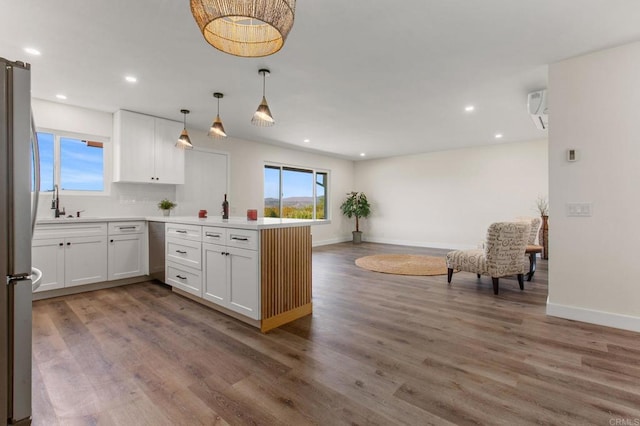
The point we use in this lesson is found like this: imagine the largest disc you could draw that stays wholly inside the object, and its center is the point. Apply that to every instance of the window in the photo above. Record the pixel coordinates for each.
(72, 163)
(291, 192)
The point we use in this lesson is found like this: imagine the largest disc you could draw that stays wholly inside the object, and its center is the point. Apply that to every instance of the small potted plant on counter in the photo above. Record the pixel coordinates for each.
(166, 206)
(356, 205)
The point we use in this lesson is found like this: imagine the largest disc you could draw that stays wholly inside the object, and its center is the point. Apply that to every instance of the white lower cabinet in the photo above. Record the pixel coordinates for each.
(244, 288)
(216, 283)
(231, 274)
(70, 255)
(85, 260)
(126, 250)
(48, 256)
(183, 254)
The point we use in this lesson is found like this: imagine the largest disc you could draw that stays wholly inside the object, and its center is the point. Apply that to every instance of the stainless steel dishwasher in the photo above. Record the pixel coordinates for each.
(156, 251)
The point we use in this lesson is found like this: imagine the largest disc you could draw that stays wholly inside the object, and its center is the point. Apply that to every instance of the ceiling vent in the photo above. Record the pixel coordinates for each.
(537, 105)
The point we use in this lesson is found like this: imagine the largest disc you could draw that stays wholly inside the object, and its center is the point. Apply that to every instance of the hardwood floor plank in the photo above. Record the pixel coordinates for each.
(378, 349)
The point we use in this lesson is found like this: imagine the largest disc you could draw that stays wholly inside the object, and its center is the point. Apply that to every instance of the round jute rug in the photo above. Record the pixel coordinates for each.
(404, 264)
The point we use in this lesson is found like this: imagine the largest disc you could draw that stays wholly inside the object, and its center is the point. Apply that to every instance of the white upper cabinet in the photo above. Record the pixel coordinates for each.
(144, 149)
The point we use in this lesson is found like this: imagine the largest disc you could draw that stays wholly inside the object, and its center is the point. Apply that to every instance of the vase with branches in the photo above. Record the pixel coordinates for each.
(542, 204)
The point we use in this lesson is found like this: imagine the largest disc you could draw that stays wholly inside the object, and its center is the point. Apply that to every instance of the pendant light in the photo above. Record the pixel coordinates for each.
(183, 141)
(217, 129)
(262, 117)
(247, 28)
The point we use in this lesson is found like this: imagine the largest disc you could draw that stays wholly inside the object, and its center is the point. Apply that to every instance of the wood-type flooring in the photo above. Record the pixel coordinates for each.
(378, 350)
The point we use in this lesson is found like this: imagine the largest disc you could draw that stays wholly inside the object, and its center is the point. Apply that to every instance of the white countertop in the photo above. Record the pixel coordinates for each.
(88, 219)
(233, 222)
(239, 222)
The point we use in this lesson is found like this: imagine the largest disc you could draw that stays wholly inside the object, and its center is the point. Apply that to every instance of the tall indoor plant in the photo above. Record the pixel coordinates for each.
(356, 205)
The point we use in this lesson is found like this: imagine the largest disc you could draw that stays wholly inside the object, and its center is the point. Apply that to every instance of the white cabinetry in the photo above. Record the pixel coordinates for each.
(144, 149)
(70, 255)
(183, 254)
(126, 249)
(230, 260)
(48, 255)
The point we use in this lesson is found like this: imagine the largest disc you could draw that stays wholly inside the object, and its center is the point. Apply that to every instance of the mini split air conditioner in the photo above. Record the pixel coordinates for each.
(537, 105)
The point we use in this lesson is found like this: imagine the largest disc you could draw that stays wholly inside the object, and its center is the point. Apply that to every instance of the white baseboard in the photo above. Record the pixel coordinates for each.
(330, 241)
(608, 319)
(449, 246)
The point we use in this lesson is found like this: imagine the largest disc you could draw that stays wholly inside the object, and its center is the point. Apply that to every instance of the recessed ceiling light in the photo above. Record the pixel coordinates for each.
(131, 79)
(499, 135)
(32, 51)
(362, 154)
(469, 108)
(306, 140)
(61, 96)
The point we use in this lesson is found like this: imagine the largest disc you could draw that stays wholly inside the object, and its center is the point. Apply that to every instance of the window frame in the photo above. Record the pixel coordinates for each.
(314, 172)
(57, 170)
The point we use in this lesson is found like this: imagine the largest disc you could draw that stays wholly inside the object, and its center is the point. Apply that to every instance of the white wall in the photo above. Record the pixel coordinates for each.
(122, 199)
(246, 186)
(246, 179)
(593, 265)
(447, 199)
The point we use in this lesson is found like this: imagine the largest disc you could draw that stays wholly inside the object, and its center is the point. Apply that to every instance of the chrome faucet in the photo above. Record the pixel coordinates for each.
(55, 202)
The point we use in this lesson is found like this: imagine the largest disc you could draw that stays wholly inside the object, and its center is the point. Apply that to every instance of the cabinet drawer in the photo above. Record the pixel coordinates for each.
(187, 279)
(119, 228)
(64, 230)
(184, 252)
(242, 238)
(214, 235)
(185, 232)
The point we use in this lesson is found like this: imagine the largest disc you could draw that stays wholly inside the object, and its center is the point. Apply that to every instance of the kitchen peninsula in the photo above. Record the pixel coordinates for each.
(258, 271)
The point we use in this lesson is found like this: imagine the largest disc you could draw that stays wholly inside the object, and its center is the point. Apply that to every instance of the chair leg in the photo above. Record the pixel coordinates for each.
(449, 274)
(532, 266)
(478, 275)
(521, 281)
(495, 285)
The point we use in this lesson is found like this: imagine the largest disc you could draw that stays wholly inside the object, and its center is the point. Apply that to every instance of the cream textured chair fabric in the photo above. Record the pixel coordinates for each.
(503, 254)
(535, 227)
(532, 248)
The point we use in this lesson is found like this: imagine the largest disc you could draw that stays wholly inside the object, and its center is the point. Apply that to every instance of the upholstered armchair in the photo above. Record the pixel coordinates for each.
(503, 254)
(533, 249)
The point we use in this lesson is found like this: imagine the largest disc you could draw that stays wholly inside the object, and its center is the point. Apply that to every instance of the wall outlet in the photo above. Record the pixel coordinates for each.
(579, 209)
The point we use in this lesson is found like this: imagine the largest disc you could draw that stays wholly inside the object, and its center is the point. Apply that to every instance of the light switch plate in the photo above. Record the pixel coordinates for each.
(579, 209)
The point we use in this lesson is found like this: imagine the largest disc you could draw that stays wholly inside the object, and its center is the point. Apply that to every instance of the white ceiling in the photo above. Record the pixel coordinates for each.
(382, 77)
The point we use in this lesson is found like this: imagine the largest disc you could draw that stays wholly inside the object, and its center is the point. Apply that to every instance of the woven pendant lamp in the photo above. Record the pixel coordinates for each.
(248, 28)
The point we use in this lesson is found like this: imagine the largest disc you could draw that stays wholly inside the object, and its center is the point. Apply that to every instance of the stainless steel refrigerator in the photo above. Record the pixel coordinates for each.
(18, 146)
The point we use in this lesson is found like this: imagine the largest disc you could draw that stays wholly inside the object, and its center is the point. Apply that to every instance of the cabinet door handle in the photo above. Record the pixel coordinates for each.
(181, 277)
(180, 231)
(68, 244)
(111, 241)
(227, 253)
(239, 238)
(181, 251)
(208, 234)
(61, 244)
(126, 227)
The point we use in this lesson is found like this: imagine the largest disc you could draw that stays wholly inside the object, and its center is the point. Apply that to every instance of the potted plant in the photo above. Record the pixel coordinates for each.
(356, 205)
(166, 206)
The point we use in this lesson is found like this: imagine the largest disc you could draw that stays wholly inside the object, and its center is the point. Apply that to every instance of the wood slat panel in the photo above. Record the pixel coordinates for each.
(285, 271)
